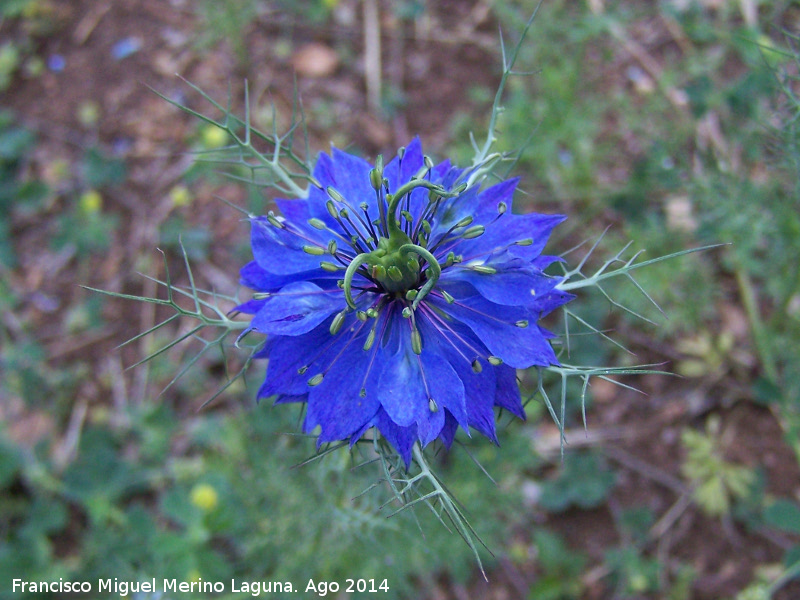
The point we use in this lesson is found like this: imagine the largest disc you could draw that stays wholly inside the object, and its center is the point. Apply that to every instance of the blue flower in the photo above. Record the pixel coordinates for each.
(399, 298)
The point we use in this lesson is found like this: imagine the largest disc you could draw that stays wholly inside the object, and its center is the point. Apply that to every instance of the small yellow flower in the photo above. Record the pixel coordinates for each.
(180, 196)
(194, 574)
(88, 113)
(204, 497)
(91, 202)
(213, 137)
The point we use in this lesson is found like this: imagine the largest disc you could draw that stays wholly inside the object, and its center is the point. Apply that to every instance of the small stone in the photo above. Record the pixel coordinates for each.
(315, 60)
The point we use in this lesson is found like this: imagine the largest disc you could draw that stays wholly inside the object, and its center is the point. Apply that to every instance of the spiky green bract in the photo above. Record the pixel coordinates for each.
(418, 331)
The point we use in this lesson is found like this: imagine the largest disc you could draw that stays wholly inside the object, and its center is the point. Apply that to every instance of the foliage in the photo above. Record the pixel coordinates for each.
(217, 509)
(716, 482)
(34, 19)
(561, 569)
(583, 482)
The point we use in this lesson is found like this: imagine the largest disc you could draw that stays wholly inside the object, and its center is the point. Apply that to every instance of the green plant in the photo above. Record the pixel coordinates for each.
(583, 481)
(561, 569)
(716, 481)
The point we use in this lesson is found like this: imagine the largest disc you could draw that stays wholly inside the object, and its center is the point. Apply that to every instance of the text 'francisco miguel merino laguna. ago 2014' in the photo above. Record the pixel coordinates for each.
(198, 586)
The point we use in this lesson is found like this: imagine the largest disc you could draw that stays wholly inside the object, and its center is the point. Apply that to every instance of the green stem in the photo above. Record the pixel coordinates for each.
(348, 277)
(763, 347)
(401, 192)
(449, 506)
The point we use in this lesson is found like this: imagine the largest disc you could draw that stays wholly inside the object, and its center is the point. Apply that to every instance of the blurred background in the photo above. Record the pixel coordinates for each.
(672, 123)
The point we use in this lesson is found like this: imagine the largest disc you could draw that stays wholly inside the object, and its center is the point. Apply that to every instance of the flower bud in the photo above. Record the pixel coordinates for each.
(376, 174)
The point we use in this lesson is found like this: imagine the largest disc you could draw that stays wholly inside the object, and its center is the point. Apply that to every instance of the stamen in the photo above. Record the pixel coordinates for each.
(433, 315)
(330, 267)
(332, 209)
(337, 322)
(473, 232)
(416, 341)
(370, 338)
(482, 269)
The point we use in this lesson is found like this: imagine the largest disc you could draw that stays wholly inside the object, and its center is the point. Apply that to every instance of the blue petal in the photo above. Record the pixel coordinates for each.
(351, 178)
(495, 326)
(507, 230)
(508, 396)
(297, 309)
(479, 388)
(337, 404)
(399, 171)
(514, 283)
(278, 251)
(253, 276)
(400, 385)
(448, 433)
(401, 438)
(287, 355)
(444, 384)
(480, 205)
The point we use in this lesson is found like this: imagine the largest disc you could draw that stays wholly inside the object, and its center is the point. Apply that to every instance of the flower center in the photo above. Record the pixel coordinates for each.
(395, 264)
(396, 270)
